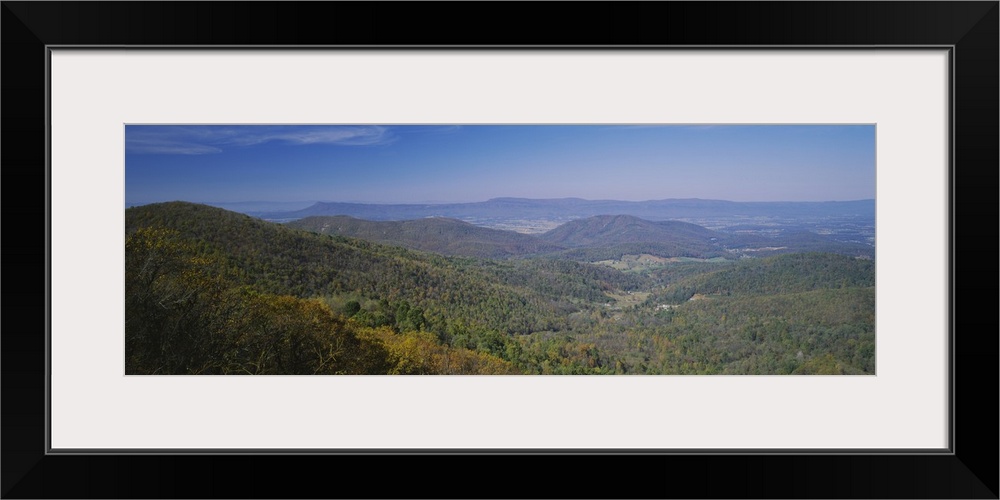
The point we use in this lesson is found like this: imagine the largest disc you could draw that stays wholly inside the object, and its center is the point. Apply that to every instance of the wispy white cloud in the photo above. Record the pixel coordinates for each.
(168, 147)
(209, 139)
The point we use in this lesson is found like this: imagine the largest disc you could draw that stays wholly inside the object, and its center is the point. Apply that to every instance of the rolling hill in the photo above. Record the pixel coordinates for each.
(625, 234)
(433, 234)
(508, 297)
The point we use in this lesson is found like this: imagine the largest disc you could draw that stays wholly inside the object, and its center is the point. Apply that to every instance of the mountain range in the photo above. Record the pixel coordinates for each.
(210, 291)
(588, 239)
(576, 208)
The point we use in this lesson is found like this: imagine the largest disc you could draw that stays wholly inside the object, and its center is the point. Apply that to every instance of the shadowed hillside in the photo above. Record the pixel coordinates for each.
(433, 234)
(610, 236)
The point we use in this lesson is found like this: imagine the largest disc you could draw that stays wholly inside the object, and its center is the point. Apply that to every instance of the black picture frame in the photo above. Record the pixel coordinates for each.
(969, 471)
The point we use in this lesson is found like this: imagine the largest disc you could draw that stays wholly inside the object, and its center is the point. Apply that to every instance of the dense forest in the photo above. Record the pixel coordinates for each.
(210, 291)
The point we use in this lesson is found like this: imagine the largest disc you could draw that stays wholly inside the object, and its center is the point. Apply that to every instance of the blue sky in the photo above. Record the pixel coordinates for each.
(441, 163)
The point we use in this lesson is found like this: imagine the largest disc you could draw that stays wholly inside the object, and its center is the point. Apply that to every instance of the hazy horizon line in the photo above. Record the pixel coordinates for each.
(439, 202)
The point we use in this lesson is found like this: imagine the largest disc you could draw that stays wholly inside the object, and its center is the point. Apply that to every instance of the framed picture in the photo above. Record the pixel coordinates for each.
(920, 77)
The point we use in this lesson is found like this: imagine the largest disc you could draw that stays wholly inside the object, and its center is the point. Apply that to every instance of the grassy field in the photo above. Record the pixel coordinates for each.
(645, 262)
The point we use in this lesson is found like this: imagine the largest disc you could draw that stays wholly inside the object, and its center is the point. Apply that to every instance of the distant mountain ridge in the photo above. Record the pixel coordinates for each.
(588, 239)
(609, 233)
(578, 208)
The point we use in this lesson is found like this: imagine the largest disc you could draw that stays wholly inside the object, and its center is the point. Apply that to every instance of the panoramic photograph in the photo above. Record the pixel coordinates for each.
(598, 249)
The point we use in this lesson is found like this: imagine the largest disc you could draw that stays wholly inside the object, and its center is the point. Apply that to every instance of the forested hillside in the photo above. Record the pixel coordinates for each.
(215, 292)
(433, 234)
(611, 236)
(781, 274)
